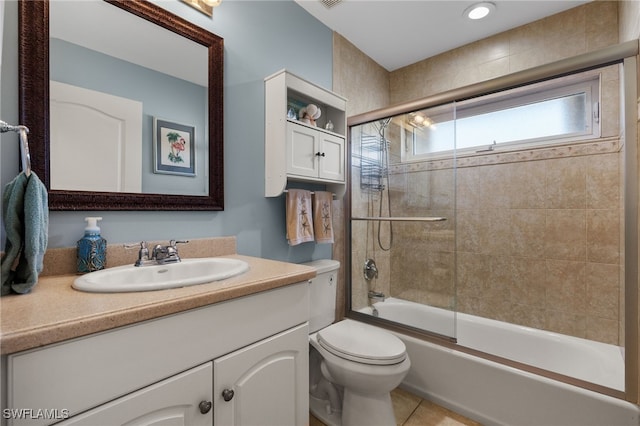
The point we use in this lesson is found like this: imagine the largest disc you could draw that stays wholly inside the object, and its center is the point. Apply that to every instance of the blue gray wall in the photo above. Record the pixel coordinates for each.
(260, 38)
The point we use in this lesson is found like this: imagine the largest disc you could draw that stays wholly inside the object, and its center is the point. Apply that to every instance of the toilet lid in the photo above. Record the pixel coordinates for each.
(362, 343)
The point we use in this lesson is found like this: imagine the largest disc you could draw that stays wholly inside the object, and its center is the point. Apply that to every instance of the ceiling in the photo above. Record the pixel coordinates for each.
(396, 33)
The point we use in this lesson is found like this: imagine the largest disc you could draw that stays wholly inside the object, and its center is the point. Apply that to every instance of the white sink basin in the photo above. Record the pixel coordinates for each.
(158, 277)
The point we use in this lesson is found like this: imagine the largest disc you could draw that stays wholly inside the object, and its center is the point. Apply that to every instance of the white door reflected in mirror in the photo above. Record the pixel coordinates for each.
(96, 140)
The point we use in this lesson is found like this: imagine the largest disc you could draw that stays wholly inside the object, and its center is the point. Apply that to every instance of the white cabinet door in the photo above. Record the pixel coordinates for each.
(332, 158)
(302, 146)
(266, 383)
(181, 400)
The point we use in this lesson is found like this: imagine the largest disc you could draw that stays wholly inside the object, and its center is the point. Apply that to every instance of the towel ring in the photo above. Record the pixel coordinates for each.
(24, 144)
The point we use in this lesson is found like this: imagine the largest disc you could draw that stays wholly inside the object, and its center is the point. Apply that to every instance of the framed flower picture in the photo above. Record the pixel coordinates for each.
(173, 148)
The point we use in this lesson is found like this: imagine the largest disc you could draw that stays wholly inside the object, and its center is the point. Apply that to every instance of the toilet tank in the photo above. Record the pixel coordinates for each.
(322, 293)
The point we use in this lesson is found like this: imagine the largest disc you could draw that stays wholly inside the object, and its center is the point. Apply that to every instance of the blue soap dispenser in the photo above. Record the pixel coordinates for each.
(92, 248)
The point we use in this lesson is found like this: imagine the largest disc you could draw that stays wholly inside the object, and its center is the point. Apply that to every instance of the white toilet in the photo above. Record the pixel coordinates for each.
(353, 366)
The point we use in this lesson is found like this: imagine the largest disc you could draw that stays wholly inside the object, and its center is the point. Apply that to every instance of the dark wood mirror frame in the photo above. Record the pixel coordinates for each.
(34, 110)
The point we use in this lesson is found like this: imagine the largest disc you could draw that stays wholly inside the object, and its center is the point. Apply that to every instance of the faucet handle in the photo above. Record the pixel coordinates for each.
(140, 245)
(172, 243)
(143, 253)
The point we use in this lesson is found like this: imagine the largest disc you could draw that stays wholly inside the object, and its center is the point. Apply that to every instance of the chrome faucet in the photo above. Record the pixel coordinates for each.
(160, 255)
(376, 296)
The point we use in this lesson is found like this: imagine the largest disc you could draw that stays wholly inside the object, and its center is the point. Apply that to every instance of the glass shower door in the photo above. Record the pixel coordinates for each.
(402, 227)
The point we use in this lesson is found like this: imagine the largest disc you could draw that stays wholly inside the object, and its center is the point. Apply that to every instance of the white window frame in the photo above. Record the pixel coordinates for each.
(587, 82)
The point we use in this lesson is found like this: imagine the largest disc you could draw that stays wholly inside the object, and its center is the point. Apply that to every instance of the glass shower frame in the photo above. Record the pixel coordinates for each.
(625, 54)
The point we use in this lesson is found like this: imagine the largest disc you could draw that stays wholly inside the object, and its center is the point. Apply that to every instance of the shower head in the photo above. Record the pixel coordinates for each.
(381, 125)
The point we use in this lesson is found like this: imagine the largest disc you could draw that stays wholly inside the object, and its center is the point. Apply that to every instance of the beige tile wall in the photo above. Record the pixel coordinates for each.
(629, 13)
(365, 84)
(578, 30)
(533, 242)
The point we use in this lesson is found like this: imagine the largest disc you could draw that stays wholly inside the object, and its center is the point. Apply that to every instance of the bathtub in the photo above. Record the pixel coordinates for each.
(496, 394)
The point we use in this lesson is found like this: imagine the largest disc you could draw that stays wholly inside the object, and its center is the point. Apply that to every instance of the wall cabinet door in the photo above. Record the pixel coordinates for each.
(332, 160)
(266, 383)
(184, 399)
(315, 154)
(302, 146)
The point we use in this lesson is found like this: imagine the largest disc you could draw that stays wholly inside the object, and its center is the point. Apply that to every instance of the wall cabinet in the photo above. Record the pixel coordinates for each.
(298, 151)
(231, 363)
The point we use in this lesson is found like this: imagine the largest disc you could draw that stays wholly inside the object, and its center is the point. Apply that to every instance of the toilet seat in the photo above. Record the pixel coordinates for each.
(361, 343)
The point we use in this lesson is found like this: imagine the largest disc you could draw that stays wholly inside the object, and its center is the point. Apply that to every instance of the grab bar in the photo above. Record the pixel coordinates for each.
(24, 144)
(401, 219)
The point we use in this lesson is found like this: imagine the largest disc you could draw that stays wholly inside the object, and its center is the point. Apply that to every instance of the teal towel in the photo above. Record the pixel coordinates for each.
(26, 219)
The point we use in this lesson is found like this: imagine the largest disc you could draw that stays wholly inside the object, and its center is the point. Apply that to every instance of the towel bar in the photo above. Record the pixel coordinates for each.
(24, 144)
(286, 190)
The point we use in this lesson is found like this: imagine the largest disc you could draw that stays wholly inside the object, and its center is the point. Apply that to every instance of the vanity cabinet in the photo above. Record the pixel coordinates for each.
(247, 357)
(299, 151)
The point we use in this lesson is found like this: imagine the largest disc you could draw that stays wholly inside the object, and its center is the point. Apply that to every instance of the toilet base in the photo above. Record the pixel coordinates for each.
(367, 410)
(356, 410)
(319, 409)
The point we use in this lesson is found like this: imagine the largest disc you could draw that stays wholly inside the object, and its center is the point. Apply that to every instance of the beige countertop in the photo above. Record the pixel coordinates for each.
(54, 311)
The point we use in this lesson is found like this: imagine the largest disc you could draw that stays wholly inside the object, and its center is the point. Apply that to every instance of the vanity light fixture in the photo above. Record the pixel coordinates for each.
(479, 10)
(204, 6)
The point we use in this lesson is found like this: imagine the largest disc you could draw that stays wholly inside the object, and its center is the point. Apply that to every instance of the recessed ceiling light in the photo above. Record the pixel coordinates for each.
(479, 10)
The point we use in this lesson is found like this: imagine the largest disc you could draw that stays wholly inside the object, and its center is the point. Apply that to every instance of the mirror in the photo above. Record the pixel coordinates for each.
(162, 134)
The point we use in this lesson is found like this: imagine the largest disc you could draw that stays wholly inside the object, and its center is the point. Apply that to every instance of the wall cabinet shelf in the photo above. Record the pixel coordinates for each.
(295, 150)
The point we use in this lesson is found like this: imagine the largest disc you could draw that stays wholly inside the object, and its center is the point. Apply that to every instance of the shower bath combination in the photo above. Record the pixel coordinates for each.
(534, 236)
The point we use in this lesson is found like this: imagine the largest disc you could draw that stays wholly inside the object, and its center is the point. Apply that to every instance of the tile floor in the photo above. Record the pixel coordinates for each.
(411, 410)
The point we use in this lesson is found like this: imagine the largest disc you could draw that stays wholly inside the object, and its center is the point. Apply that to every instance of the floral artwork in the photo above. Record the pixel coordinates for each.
(174, 148)
(177, 146)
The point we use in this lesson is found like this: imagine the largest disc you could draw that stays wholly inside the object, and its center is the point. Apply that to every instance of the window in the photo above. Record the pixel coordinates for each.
(563, 110)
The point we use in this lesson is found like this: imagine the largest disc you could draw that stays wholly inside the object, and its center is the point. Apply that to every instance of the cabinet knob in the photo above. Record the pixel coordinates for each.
(227, 394)
(319, 154)
(205, 406)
